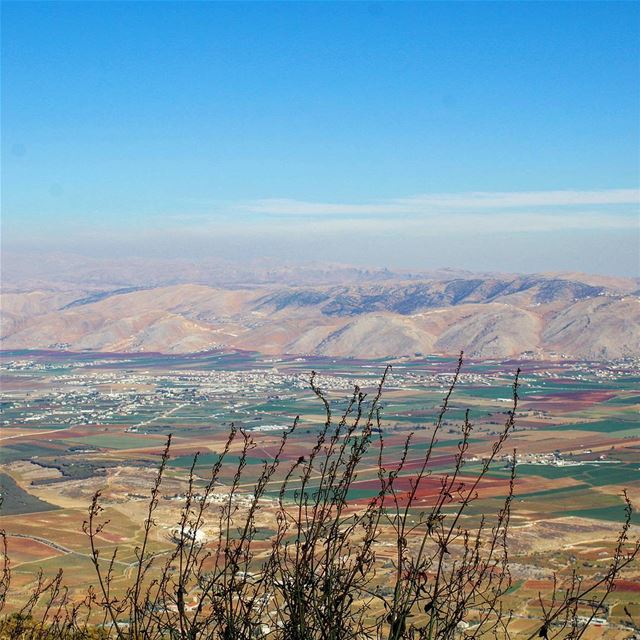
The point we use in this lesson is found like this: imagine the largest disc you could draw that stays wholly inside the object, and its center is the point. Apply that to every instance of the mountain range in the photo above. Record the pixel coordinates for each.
(332, 311)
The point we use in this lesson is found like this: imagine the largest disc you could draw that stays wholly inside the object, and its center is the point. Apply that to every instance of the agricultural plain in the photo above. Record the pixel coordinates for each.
(73, 424)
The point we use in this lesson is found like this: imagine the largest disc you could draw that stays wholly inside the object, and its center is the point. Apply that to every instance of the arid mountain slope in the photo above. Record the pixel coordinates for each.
(596, 328)
(488, 317)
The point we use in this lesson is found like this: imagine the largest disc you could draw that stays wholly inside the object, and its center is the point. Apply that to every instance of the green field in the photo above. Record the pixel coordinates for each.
(16, 501)
(614, 513)
(119, 441)
(602, 426)
(27, 451)
(594, 475)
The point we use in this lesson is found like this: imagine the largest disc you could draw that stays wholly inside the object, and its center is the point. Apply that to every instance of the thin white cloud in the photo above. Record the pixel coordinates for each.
(425, 216)
(438, 203)
(466, 223)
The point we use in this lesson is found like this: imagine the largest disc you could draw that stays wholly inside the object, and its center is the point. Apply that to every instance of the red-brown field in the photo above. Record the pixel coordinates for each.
(26, 550)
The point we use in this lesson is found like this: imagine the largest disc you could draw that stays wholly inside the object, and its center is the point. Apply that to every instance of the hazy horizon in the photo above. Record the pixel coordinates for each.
(18, 268)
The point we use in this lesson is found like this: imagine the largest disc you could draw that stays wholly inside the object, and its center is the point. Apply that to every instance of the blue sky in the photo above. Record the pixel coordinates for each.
(479, 135)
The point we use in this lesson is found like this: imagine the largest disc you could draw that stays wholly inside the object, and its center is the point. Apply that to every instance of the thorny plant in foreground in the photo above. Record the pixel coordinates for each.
(321, 575)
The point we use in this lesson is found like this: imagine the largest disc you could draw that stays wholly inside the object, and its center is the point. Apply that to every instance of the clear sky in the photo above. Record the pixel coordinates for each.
(479, 135)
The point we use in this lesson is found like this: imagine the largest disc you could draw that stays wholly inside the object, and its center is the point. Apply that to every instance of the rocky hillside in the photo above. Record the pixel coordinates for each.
(488, 317)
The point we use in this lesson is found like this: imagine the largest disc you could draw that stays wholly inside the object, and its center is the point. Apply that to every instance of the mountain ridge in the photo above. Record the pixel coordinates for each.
(488, 317)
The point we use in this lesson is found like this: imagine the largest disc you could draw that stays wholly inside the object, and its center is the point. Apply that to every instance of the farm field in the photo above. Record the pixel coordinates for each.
(72, 424)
